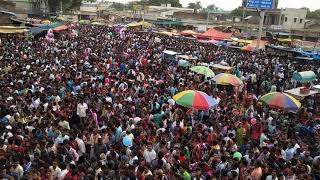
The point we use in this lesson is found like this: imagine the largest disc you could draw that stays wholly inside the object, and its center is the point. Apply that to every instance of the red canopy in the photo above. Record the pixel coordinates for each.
(214, 34)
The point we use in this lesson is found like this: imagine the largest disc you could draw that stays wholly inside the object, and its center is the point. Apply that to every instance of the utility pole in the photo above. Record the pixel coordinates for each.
(262, 14)
(61, 11)
(208, 16)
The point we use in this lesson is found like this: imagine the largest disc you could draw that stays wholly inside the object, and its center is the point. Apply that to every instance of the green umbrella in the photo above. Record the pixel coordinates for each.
(203, 70)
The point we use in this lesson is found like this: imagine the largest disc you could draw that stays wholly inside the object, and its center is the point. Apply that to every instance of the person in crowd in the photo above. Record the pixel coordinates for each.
(100, 105)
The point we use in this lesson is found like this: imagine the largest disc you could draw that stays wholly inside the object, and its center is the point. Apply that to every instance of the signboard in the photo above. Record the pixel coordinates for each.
(276, 27)
(260, 4)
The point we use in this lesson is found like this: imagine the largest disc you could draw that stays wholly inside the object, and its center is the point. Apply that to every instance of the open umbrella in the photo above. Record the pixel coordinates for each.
(183, 63)
(203, 70)
(195, 99)
(280, 101)
(227, 79)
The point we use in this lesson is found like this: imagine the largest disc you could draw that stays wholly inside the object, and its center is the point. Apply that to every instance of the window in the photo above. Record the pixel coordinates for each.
(285, 19)
(295, 20)
(301, 20)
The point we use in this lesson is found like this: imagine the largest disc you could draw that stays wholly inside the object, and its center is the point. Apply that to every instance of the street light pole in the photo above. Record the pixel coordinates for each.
(262, 14)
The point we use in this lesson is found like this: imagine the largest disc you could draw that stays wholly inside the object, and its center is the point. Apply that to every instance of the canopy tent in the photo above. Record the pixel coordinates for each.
(168, 33)
(284, 40)
(208, 41)
(244, 41)
(61, 28)
(46, 22)
(169, 55)
(51, 26)
(36, 30)
(188, 33)
(172, 53)
(177, 23)
(222, 67)
(144, 24)
(96, 23)
(305, 76)
(8, 12)
(316, 87)
(186, 57)
(84, 21)
(297, 93)
(214, 34)
(252, 46)
(12, 29)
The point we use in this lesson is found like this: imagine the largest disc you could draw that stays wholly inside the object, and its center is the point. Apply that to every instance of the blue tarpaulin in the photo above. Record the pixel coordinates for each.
(36, 30)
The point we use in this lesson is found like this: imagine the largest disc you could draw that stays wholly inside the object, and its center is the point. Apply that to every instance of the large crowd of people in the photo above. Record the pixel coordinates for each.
(66, 107)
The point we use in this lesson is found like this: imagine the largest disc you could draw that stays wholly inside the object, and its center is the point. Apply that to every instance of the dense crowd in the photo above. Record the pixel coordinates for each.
(66, 107)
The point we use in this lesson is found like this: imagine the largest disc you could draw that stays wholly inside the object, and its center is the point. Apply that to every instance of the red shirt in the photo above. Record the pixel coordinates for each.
(73, 177)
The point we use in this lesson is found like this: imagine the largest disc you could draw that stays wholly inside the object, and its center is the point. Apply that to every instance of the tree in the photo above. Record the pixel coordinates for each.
(118, 6)
(212, 7)
(54, 6)
(196, 6)
(313, 14)
(174, 3)
(237, 12)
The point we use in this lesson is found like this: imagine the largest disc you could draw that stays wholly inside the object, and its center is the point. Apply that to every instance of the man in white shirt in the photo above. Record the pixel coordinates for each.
(64, 172)
(81, 145)
(18, 170)
(55, 170)
(149, 154)
(82, 110)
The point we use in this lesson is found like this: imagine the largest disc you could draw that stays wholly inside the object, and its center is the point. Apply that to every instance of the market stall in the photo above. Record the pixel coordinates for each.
(305, 76)
(299, 92)
(169, 55)
(218, 68)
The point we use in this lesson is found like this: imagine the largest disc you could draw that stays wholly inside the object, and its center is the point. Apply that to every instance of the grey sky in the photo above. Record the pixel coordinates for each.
(232, 4)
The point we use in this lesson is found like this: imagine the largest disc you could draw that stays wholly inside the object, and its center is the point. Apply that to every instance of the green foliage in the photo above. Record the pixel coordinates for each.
(6, 3)
(118, 6)
(174, 3)
(67, 5)
(238, 12)
(129, 5)
(212, 7)
(313, 14)
(196, 6)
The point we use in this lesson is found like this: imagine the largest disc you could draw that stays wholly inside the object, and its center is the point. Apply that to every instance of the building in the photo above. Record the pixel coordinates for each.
(292, 19)
(166, 11)
(282, 19)
(88, 10)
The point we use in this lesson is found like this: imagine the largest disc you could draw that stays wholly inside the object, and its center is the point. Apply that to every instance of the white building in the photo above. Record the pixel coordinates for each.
(293, 18)
(166, 11)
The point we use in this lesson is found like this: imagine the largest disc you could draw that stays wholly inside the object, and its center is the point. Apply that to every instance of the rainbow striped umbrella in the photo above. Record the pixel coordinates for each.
(227, 79)
(280, 101)
(195, 99)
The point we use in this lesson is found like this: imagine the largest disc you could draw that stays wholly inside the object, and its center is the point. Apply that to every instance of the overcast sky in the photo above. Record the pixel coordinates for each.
(232, 4)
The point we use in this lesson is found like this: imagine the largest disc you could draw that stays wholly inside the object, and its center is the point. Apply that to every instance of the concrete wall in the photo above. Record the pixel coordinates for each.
(294, 18)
